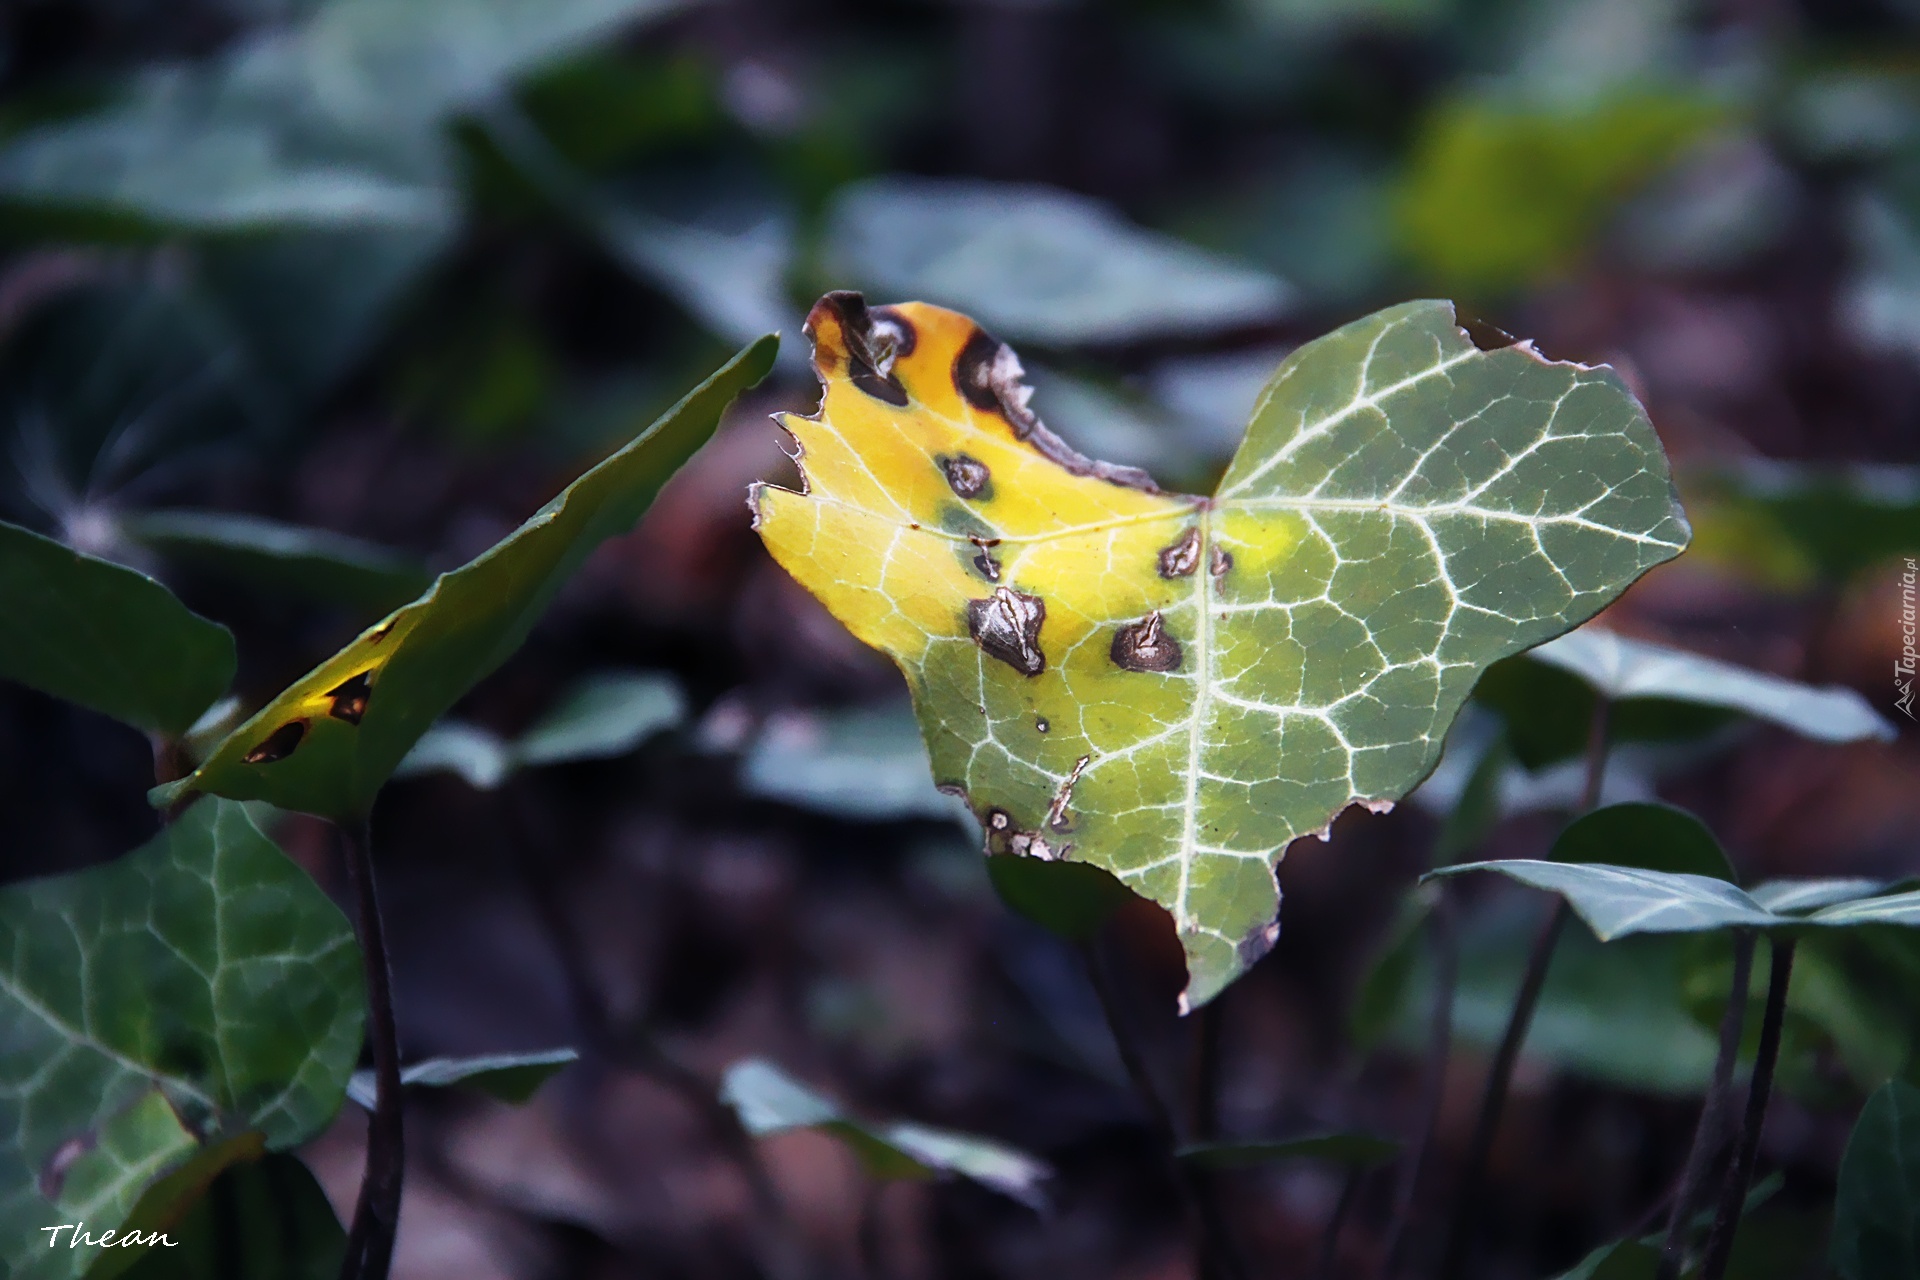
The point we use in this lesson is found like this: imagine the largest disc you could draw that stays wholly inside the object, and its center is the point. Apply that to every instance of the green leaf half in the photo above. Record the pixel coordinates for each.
(1876, 1212)
(510, 1077)
(331, 740)
(106, 637)
(199, 987)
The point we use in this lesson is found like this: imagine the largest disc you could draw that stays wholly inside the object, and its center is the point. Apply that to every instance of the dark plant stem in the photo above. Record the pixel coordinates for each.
(1217, 1255)
(1342, 1210)
(376, 1218)
(1500, 1073)
(1733, 1192)
(1443, 941)
(1710, 1134)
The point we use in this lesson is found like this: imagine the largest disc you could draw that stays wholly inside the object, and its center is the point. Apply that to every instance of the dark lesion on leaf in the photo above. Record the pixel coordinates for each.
(874, 340)
(988, 376)
(1057, 817)
(1146, 646)
(1256, 944)
(983, 557)
(279, 744)
(1006, 625)
(967, 476)
(1182, 557)
(350, 698)
(1006, 837)
(1219, 562)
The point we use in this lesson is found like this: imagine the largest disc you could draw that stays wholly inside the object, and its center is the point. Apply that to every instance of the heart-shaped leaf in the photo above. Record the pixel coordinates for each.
(770, 1101)
(106, 637)
(330, 741)
(1876, 1212)
(1652, 837)
(198, 988)
(1172, 688)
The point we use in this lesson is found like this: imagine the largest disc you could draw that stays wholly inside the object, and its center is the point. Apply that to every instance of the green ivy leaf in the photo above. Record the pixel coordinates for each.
(769, 1101)
(1171, 687)
(200, 987)
(1651, 837)
(1876, 1212)
(106, 637)
(264, 1220)
(510, 1077)
(330, 741)
(1620, 901)
(269, 555)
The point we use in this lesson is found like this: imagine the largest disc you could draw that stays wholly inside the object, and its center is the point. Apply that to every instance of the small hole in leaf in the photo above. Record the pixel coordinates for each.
(279, 744)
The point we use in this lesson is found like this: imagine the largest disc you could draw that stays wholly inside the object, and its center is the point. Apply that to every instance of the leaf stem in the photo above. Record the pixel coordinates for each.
(1500, 1073)
(376, 1218)
(1217, 1255)
(1342, 1210)
(1710, 1134)
(1733, 1192)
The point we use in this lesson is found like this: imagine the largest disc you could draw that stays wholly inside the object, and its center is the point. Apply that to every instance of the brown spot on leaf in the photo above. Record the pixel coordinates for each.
(968, 477)
(1183, 557)
(988, 376)
(872, 343)
(1256, 944)
(999, 820)
(1146, 646)
(350, 698)
(1006, 625)
(1219, 561)
(279, 744)
(1057, 811)
(984, 561)
(1041, 724)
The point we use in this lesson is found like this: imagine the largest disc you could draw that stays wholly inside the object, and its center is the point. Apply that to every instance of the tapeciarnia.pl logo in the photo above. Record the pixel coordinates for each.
(1903, 666)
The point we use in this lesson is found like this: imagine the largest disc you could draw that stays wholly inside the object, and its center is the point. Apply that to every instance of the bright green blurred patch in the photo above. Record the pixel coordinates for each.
(1499, 194)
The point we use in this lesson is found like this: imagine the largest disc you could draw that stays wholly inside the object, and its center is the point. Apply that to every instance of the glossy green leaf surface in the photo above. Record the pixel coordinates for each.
(769, 1101)
(289, 559)
(1171, 687)
(1621, 668)
(201, 985)
(331, 740)
(1651, 837)
(1876, 1213)
(510, 1077)
(604, 715)
(106, 637)
(1619, 901)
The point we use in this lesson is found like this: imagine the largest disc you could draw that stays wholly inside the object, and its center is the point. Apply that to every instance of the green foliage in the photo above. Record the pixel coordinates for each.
(598, 717)
(1500, 194)
(265, 1220)
(328, 743)
(1797, 526)
(196, 989)
(1876, 1217)
(768, 1101)
(865, 763)
(106, 637)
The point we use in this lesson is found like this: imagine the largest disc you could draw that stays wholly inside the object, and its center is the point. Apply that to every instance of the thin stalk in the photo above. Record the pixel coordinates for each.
(376, 1218)
(1733, 1192)
(1710, 1134)
(1500, 1073)
(1215, 1247)
(1342, 1210)
(1443, 941)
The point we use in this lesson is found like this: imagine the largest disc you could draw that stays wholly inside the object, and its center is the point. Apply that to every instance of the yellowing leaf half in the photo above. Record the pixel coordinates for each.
(1173, 687)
